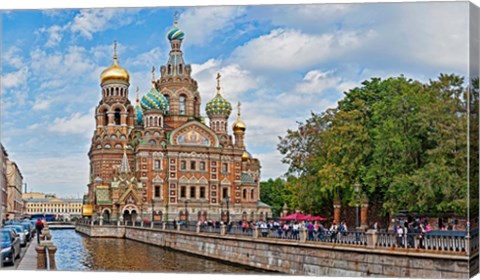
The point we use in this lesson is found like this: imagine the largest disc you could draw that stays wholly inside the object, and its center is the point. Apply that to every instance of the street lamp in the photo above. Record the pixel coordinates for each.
(186, 211)
(357, 190)
(153, 209)
(228, 212)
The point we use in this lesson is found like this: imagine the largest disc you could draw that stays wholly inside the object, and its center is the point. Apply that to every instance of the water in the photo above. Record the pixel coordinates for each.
(80, 253)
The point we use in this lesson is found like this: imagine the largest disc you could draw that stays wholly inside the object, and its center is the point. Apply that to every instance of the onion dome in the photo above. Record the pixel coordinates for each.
(154, 100)
(246, 155)
(175, 34)
(115, 71)
(239, 125)
(218, 105)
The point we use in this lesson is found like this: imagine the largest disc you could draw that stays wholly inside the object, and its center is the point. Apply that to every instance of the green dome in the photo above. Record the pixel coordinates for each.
(218, 106)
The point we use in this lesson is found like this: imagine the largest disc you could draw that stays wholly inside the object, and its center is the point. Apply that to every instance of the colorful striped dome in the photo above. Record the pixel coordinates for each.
(139, 111)
(154, 100)
(218, 106)
(175, 34)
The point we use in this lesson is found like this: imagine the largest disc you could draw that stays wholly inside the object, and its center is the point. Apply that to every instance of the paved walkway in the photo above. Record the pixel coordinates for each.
(29, 260)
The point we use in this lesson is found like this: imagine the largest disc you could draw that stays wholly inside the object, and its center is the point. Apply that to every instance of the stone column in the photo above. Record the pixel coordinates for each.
(303, 235)
(255, 232)
(41, 263)
(372, 237)
(336, 209)
(364, 212)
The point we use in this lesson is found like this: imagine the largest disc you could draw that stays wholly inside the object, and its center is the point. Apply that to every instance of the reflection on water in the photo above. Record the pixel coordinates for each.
(78, 252)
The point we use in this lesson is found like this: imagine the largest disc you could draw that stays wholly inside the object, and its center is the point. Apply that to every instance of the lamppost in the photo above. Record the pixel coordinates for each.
(153, 209)
(221, 210)
(228, 212)
(357, 190)
(186, 211)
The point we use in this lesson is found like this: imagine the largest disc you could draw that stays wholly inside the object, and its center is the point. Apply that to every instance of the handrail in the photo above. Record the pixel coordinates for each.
(47, 259)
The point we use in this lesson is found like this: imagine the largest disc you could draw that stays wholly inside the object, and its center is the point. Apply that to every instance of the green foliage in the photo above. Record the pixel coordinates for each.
(403, 141)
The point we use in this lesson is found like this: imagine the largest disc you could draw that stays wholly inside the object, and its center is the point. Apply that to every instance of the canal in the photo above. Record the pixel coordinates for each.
(77, 252)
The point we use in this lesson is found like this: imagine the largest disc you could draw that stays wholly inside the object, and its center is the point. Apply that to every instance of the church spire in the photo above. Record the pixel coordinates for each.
(124, 167)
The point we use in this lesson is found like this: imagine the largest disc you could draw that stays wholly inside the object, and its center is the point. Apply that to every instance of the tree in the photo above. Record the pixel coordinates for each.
(404, 141)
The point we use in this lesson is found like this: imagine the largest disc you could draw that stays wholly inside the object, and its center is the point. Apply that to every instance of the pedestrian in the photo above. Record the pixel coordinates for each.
(39, 227)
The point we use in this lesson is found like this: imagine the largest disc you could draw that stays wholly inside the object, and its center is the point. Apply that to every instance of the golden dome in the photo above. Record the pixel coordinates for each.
(246, 155)
(115, 71)
(239, 125)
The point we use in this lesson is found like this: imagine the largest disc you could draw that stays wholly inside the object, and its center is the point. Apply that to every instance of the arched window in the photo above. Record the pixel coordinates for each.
(169, 67)
(116, 117)
(252, 194)
(181, 104)
(244, 194)
(180, 69)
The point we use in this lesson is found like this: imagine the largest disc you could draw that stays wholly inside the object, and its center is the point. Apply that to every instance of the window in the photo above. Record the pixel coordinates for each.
(182, 104)
(202, 192)
(192, 165)
(183, 165)
(224, 192)
(225, 167)
(252, 195)
(157, 164)
(202, 165)
(116, 117)
(157, 191)
(244, 194)
(192, 192)
(183, 192)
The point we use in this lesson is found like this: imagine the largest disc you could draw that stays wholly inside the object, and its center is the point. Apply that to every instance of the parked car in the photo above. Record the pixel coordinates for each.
(27, 228)
(10, 246)
(20, 232)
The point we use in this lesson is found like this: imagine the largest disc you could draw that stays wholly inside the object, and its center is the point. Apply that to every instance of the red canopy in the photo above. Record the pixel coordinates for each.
(314, 218)
(296, 216)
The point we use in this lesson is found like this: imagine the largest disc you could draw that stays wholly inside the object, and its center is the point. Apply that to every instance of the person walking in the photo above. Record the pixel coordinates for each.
(39, 227)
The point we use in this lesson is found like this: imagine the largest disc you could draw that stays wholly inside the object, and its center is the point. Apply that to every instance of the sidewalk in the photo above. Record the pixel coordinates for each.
(29, 260)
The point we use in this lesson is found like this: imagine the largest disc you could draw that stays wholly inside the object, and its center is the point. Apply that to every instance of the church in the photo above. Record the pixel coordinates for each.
(157, 159)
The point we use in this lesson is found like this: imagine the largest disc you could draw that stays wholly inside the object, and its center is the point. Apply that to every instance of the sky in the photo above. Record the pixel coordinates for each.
(282, 62)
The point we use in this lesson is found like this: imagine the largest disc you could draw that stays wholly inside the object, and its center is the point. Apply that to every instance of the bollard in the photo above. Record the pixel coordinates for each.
(118, 223)
(164, 226)
(178, 226)
(40, 257)
(151, 224)
(372, 237)
(141, 224)
(198, 228)
(223, 230)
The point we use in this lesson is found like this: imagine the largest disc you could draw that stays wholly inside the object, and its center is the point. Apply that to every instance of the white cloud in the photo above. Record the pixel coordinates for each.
(317, 81)
(234, 80)
(55, 34)
(287, 49)
(15, 79)
(76, 123)
(61, 68)
(146, 59)
(91, 21)
(272, 166)
(41, 104)
(12, 57)
(202, 24)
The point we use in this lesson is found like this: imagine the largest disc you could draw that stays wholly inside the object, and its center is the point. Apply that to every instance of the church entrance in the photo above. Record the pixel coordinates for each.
(130, 213)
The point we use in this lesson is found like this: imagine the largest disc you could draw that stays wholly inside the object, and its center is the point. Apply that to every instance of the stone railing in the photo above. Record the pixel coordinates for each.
(371, 239)
(46, 251)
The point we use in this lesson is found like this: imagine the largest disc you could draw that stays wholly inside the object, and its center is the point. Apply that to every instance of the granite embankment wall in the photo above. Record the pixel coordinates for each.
(295, 257)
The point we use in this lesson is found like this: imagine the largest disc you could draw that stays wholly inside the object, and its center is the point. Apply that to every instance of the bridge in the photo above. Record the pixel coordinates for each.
(355, 254)
(61, 225)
